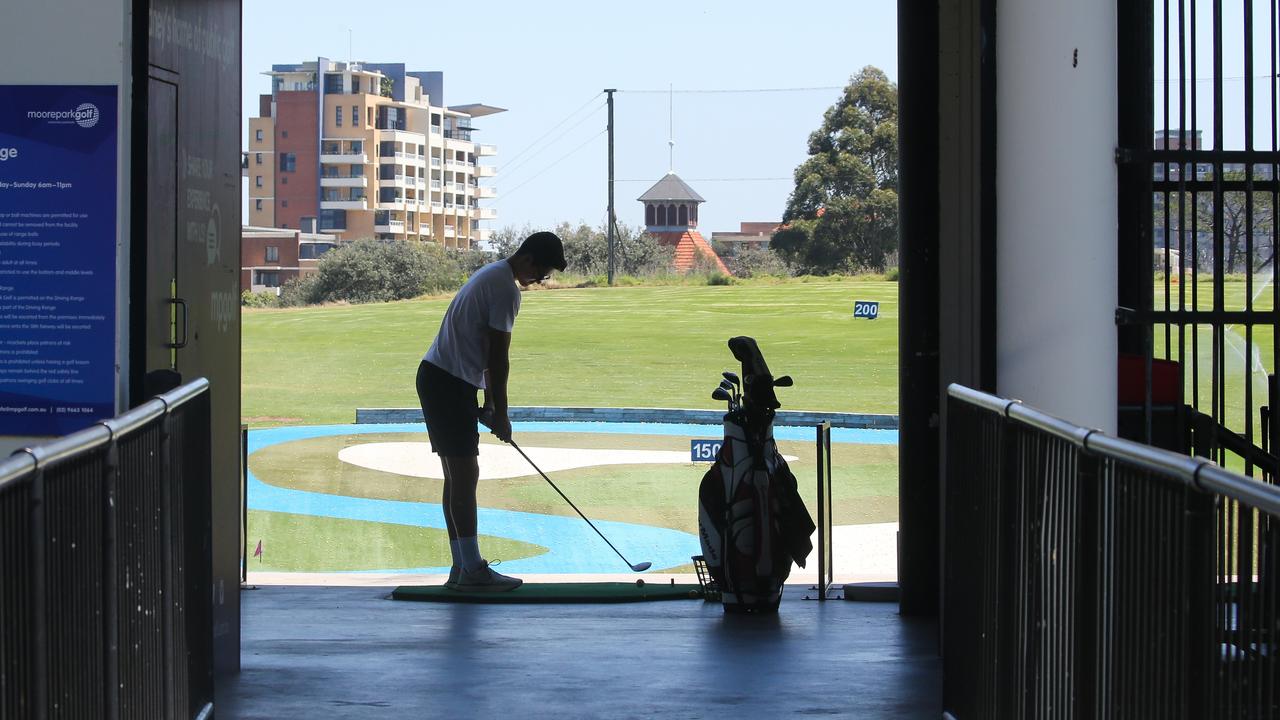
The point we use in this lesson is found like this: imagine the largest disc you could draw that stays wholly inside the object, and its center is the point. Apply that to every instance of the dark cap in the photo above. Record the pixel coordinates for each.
(545, 248)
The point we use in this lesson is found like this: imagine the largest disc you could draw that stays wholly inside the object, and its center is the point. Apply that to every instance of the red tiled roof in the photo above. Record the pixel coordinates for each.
(689, 244)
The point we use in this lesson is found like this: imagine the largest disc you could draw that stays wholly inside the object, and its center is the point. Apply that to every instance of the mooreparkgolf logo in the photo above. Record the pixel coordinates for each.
(85, 115)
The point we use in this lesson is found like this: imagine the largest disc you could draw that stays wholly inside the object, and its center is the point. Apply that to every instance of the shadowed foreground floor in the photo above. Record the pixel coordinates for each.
(341, 652)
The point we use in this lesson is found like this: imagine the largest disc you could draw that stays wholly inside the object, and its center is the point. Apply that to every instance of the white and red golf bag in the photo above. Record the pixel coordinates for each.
(751, 521)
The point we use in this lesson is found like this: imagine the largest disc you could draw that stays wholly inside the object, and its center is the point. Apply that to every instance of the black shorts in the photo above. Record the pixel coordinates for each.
(449, 406)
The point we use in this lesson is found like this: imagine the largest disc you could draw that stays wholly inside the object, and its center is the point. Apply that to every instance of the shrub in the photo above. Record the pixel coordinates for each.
(892, 274)
(718, 278)
(251, 299)
(378, 271)
(299, 291)
(757, 262)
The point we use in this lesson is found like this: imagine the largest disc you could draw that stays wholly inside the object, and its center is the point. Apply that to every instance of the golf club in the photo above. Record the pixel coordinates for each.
(784, 381)
(723, 395)
(737, 385)
(638, 567)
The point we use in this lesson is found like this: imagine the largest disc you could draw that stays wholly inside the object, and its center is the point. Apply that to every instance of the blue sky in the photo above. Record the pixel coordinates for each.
(548, 62)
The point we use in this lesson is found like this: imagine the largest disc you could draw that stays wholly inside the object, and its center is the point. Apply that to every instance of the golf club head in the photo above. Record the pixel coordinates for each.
(784, 381)
(721, 394)
(732, 377)
(726, 385)
(641, 567)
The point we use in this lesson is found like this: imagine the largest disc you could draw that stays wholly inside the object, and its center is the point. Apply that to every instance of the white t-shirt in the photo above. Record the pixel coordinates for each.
(490, 299)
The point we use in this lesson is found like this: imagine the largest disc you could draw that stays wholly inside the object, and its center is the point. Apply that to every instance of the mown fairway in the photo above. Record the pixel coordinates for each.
(602, 347)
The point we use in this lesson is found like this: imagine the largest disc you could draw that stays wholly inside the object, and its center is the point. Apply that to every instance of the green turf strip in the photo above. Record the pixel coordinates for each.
(599, 592)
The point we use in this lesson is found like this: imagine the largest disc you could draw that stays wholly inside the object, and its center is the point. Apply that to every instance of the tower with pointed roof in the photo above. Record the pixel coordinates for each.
(671, 215)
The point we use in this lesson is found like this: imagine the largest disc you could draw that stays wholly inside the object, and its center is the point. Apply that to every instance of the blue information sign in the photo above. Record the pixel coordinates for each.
(58, 200)
(869, 309)
(704, 450)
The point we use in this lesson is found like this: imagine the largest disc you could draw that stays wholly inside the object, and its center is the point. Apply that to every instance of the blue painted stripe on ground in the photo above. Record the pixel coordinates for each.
(572, 547)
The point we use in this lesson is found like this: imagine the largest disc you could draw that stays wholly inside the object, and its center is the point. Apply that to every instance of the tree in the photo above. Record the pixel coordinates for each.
(586, 249)
(387, 87)
(1235, 226)
(843, 213)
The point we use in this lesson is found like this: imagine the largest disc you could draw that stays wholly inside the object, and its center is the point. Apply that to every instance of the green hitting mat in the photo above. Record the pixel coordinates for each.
(601, 592)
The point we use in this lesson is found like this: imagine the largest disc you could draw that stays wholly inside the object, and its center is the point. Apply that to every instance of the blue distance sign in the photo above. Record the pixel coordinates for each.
(58, 197)
(704, 450)
(869, 309)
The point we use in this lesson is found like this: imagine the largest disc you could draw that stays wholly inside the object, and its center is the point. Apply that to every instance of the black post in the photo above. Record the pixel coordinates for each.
(919, 396)
(610, 220)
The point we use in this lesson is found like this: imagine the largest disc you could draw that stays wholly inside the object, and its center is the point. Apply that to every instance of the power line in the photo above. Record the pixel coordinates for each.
(823, 88)
(739, 179)
(511, 166)
(531, 145)
(539, 173)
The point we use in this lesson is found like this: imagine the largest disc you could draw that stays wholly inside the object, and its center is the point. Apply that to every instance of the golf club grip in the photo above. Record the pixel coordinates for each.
(566, 499)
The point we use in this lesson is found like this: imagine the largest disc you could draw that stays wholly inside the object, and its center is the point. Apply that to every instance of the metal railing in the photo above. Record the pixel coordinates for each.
(1088, 576)
(105, 568)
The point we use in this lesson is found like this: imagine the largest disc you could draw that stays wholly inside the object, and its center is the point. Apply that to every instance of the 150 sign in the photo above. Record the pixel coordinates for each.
(866, 309)
(704, 450)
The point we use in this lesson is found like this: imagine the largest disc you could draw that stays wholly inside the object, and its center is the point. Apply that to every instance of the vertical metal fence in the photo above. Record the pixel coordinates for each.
(105, 562)
(1091, 577)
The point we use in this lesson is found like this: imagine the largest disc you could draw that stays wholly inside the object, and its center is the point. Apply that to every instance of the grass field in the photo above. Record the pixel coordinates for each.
(602, 347)
(864, 490)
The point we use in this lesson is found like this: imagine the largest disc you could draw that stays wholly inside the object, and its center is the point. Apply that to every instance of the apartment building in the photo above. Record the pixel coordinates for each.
(367, 150)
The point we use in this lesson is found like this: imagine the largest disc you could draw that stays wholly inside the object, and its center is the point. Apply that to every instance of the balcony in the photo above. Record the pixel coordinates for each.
(483, 234)
(390, 226)
(436, 162)
(435, 185)
(486, 192)
(347, 182)
(397, 204)
(361, 204)
(450, 231)
(484, 213)
(486, 171)
(343, 159)
(437, 205)
(399, 181)
(486, 150)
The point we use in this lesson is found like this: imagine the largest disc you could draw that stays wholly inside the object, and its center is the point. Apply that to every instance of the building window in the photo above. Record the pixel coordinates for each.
(355, 85)
(355, 115)
(257, 205)
(284, 203)
(257, 158)
(268, 279)
(337, 115)
(257, 181)
(368, 115)
(273, 253)
(288, 162)
(284, 179)
(258, 135)
(284, 133)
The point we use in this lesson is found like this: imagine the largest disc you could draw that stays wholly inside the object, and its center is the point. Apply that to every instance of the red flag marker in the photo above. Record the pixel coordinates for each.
(257, 552)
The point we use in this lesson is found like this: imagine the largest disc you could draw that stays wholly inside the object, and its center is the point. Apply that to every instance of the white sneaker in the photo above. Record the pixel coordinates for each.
(454, 571)
(484, 579)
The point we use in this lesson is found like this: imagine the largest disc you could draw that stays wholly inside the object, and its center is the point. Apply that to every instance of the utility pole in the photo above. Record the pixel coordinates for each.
(609, 221)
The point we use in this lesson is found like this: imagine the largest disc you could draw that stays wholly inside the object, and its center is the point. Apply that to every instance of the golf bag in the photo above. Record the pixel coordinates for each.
(751, 520)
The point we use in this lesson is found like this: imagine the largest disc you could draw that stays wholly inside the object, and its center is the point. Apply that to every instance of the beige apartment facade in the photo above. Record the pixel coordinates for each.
(368, 150)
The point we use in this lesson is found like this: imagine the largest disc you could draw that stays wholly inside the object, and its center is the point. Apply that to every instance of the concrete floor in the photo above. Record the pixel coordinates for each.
(348, 652)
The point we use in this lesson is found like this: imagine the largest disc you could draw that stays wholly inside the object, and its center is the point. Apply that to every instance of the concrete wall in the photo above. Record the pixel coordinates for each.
(1056, 215)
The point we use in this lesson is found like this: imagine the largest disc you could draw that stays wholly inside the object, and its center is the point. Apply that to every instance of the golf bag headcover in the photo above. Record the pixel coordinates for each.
(751, 521)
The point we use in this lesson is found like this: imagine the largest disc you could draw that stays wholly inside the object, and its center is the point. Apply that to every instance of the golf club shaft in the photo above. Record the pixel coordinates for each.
(566, 499)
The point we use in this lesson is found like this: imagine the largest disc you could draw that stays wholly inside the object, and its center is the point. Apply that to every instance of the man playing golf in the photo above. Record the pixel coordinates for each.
(471, 352)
